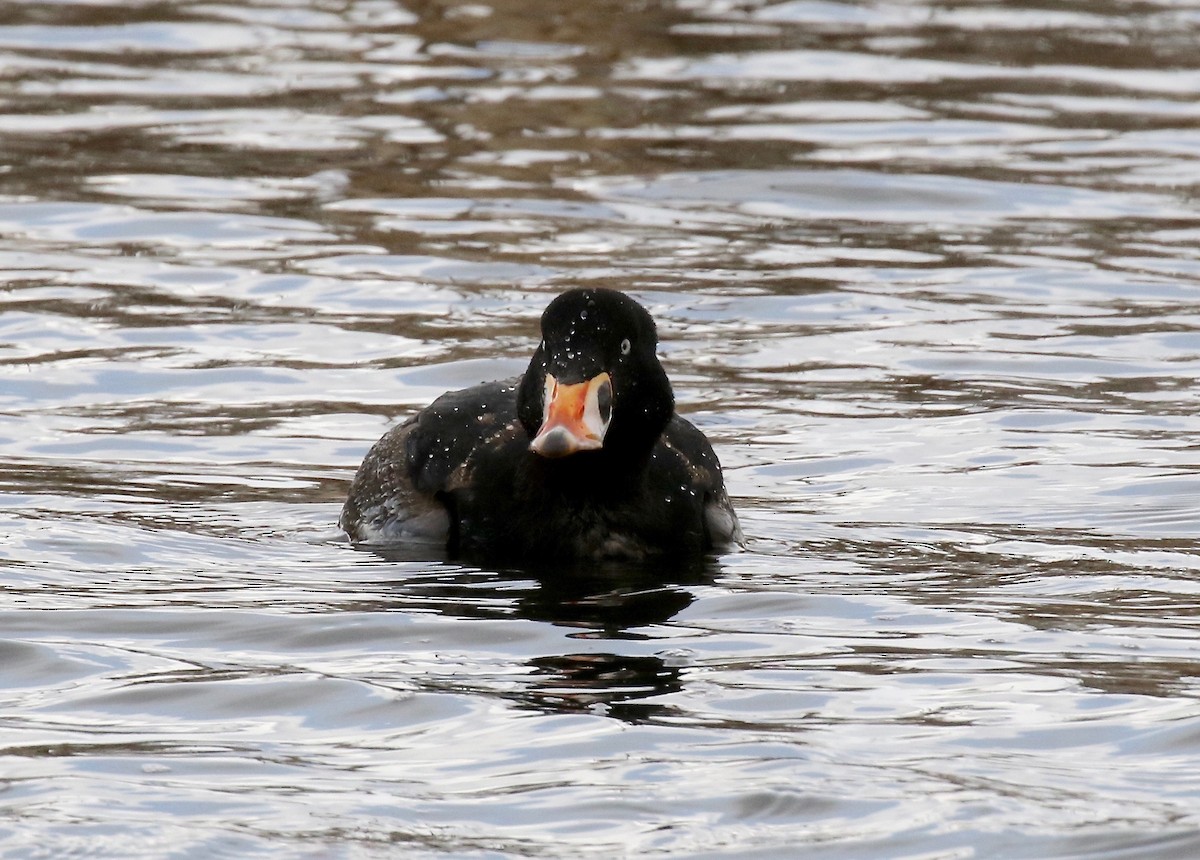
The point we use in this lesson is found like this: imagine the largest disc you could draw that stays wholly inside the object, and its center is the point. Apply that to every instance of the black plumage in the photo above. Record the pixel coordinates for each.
(582, 458)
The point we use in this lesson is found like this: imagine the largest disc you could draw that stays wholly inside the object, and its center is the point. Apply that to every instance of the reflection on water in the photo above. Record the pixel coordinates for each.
(925, 274)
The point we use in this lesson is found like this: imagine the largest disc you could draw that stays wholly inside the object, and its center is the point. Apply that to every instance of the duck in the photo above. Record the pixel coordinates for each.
(582, 458)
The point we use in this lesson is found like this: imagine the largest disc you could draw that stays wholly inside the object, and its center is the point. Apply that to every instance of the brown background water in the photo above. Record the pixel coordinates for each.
(927, 274)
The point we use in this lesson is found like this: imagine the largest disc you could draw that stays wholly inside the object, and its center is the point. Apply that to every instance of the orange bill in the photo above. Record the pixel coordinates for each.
(574, 417)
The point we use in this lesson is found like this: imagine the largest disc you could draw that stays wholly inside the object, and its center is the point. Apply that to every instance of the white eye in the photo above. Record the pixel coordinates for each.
(626, 346)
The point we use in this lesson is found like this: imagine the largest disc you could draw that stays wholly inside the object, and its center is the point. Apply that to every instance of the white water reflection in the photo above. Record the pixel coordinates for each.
(851, 195)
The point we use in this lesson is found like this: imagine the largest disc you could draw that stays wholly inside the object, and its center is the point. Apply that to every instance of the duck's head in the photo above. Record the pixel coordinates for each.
(595, 382)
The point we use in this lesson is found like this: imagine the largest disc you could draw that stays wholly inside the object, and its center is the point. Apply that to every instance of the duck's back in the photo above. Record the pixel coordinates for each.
(509, 503)
(396, 495)
(460, 474)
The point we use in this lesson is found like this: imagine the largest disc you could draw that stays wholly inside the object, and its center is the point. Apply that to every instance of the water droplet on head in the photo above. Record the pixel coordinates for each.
(583, 314)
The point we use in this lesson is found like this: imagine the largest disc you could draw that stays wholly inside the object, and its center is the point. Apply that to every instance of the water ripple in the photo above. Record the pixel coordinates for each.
(926, 276)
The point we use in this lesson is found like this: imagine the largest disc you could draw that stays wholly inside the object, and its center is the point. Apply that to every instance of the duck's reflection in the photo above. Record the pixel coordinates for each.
(613, 601)
(613, 684)
(616, 602)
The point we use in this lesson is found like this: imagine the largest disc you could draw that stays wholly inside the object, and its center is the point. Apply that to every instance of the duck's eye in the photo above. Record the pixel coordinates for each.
(626, 346)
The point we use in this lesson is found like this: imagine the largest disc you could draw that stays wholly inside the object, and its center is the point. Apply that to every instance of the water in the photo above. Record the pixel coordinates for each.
(927, 275)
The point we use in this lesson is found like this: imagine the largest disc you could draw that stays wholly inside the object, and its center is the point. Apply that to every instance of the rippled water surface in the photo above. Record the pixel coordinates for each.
(928, 275)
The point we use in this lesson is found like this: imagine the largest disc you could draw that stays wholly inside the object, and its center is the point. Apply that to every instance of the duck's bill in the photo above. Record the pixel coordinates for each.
(574, 417)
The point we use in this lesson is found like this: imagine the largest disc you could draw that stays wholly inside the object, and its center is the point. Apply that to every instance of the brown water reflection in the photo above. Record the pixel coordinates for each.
(925, 273)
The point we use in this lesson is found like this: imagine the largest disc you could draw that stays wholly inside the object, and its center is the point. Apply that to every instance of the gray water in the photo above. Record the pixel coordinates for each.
(928, 275)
